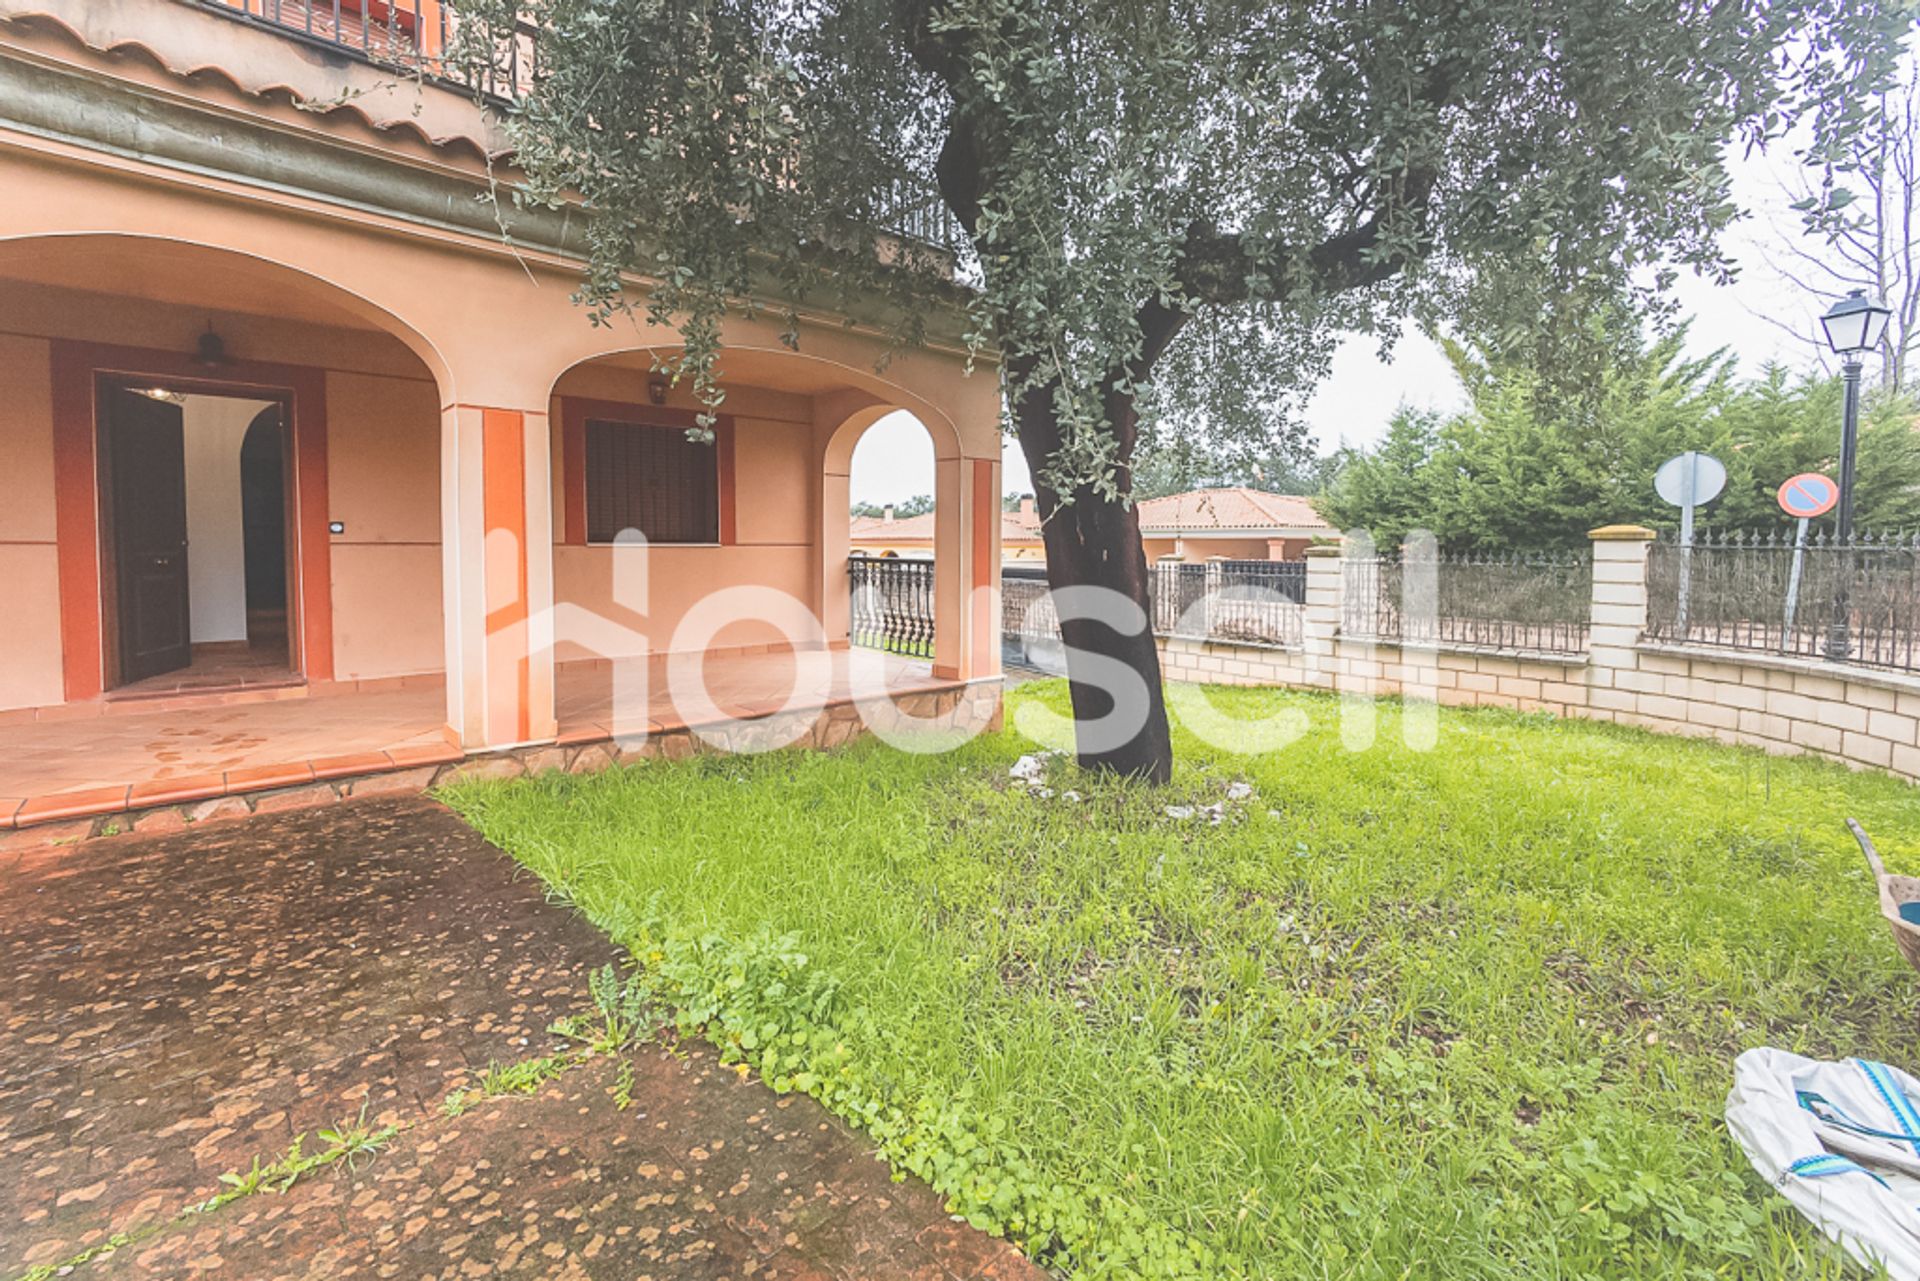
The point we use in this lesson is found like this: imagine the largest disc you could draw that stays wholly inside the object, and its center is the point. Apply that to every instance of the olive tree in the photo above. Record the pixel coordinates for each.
(1159, 204)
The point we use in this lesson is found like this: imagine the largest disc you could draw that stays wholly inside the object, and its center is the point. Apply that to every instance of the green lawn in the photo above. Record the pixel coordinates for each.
(1461, 1013)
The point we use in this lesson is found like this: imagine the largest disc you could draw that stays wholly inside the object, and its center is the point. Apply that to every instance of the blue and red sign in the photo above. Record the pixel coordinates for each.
(1808, 495)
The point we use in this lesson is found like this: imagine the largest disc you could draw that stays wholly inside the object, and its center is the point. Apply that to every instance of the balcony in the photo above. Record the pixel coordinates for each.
(413, 36)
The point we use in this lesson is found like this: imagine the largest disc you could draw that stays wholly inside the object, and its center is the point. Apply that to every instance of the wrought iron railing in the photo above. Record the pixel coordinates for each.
(1249, 602)
(1026, 607)
(1257, 602)
(416, 37)
(1528, 602)
(1742, 592)
(892, 605)
(1176, 597)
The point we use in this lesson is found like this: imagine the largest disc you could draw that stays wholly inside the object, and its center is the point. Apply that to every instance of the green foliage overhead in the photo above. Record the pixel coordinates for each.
(1204, 194)
(1522, 468)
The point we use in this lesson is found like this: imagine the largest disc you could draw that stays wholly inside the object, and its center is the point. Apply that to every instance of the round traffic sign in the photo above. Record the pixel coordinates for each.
(1807, 495)
(1689, 479)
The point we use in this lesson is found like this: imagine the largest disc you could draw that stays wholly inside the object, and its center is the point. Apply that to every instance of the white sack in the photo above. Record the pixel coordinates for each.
(1841, 1141)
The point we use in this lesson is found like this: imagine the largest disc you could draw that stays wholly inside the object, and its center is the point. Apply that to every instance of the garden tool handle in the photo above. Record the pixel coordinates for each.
(1866, 847)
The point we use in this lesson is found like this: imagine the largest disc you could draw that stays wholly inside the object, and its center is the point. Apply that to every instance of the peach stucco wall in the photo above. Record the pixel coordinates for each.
(30, 625)
(773, 474)
(383, 483)
(298, 274)
(383, 472)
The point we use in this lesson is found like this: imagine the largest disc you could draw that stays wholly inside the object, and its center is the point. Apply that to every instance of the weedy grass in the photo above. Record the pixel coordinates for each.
(1460, 1013)
(345, 1143)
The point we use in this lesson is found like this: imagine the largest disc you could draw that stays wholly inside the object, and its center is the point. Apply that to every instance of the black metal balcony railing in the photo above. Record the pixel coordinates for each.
(413, 36)
(892, 605)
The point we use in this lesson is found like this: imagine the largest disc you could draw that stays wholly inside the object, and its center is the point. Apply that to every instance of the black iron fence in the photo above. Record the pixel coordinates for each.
(1250, 602)
(1538, 603)
(1761, 592)
(1176, 598)
(1026, 607)
(892, 605)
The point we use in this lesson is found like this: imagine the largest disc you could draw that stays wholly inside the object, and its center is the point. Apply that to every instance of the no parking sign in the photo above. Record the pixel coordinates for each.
(1803, 497)
(1808, 495)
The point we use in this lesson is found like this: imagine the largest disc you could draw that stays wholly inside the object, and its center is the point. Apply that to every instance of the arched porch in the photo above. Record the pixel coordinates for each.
(451, 593)
(739, 607)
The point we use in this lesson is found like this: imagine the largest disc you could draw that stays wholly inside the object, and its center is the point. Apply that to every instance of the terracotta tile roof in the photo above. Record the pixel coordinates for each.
(1238, 508)
(254, 60)
(906, 529)
(1016, 529)
(1197, 511)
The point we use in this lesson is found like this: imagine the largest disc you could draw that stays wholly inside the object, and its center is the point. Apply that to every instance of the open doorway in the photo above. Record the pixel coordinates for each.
(194, 507)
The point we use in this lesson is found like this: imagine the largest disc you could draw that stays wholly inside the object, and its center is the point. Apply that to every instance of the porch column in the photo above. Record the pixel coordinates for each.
(496, 516)
(966, 625)
(831, 585)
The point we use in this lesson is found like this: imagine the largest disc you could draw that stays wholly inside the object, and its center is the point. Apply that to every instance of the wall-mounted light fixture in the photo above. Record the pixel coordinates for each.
(210, 352)
(657, 390)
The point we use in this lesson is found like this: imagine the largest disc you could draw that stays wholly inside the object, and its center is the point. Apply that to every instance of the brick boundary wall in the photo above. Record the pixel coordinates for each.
(967, 708)
(1859, 716)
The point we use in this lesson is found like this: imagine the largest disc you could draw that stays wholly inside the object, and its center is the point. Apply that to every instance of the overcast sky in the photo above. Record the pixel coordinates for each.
(895, 459)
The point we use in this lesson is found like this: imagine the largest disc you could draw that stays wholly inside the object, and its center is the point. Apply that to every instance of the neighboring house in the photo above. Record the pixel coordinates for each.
(285, 412)
(1237, 523)
(912, 537)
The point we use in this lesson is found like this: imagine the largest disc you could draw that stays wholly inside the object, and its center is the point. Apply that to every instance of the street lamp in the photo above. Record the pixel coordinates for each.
(1854, 326)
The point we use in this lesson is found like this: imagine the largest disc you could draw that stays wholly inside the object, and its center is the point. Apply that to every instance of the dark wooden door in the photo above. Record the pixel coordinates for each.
(147, 490)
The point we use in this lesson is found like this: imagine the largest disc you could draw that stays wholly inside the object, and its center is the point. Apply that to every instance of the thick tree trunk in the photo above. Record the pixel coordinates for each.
(1095, 542)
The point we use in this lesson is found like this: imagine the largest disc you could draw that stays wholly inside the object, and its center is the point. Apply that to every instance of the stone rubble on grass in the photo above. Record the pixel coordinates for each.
(1032, 769)
(1030, 772)
(1216, 813)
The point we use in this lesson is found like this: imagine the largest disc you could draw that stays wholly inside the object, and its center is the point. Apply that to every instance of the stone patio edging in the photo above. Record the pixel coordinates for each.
(174, 807)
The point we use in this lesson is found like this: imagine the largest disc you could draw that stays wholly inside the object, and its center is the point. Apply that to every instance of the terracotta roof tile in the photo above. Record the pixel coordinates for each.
(1236, 508)
(1197, 510)
(289, 76)
(1014, 529)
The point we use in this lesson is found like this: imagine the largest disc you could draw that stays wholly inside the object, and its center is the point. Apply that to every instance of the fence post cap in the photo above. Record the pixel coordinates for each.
(1622, 534)
(1313, 553)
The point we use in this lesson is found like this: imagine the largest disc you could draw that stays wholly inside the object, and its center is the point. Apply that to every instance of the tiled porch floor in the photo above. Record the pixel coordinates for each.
(269, 743)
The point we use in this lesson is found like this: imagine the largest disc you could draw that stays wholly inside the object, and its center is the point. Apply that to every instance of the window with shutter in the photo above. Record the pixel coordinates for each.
(653, 479)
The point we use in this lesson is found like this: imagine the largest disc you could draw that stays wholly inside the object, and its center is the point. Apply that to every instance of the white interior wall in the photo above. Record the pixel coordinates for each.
(216, 548)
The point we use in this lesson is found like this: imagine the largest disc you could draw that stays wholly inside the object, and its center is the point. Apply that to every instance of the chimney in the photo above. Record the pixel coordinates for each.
(1028, 515)
(887, 515)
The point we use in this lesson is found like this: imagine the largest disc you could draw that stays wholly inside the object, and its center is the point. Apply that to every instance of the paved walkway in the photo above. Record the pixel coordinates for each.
(175, 1007)
(158, 747)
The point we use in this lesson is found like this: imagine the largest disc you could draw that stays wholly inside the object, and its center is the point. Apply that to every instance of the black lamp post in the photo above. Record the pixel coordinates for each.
(1854, 326)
